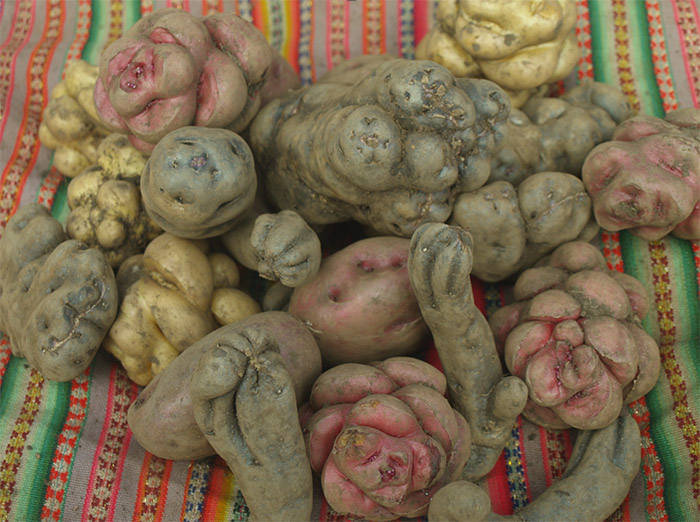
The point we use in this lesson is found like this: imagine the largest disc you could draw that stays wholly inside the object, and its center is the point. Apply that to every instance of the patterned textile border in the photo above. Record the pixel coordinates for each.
(66, 452)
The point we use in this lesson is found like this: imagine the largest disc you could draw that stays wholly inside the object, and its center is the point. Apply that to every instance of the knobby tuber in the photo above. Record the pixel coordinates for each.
(574, 335)
(58, 297)
(440, 262)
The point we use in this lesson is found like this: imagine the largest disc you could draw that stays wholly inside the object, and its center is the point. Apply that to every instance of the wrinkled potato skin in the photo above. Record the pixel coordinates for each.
(213, 71)
(513, 228)
(556, 134)
(69, 123)
(401, 138)
(647, 178)
(58, 297)
(360, 306)
(166, 401)
(105, 204)
(574, 336)
(519, 45)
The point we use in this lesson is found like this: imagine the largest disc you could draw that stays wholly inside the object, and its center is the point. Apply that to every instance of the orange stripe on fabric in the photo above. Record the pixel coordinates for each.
(373, 27)
(217, 498)
(292, 30)
(152, 490)
(212, 6)
(260, 17)
(82, 31)
(22, 22)
(663, 297)
(17, 441)
(146, 7)
(23, 157)
(657, 42)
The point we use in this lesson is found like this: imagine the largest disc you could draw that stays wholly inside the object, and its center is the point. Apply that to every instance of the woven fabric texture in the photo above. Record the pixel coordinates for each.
(66, 452)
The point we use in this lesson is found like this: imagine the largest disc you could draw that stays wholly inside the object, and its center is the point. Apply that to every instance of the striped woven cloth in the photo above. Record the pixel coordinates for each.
(66, 451)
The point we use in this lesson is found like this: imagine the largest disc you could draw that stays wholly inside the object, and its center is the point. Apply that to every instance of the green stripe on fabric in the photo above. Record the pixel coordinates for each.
(660, 400)
(643, 66)
(598, 41)
(132, 12)
(38, 457)
(14, 371)
(60, 209)
(98, 30)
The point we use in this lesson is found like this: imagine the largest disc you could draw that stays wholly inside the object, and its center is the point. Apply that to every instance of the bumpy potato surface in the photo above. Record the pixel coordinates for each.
(58, 297)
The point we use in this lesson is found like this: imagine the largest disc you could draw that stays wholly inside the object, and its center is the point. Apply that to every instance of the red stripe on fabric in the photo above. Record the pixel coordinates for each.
(685, 51)
(336, 32)
(82, 31)
(662, 68)
(66, 444)
(499, 492)
(5, 354)
(421, 20)
(23, 157)
(146, 7)
(216, 486)
(479, 294)
(111, 449)
(152, 490)
(583, 34)
(22, 21)
(695, 245)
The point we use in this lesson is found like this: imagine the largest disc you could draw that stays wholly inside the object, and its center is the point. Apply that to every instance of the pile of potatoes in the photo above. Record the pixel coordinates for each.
(452, 166)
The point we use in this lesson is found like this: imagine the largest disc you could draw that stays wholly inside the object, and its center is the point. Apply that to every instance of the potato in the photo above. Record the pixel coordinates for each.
(166, 401)
(596, 481)
(58, 297)
(246, 381)
(218, 74)
(514, 227)
(647, 179)
(401, 138)
(360, 306)
(574, 336)
(519, 45)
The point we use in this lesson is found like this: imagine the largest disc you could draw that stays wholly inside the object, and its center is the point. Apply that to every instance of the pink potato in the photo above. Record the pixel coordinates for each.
(384, 438)
(574, 336)
(172, 69)
(647, 179)
(360, 306)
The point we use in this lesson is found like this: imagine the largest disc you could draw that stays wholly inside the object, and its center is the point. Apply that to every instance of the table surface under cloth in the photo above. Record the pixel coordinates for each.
(66, 451)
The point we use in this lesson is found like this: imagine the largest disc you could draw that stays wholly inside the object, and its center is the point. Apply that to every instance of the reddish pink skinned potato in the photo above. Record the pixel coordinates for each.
(384, 438)
(574, 336)
(172, 69)
(647, 179)
(360, 306)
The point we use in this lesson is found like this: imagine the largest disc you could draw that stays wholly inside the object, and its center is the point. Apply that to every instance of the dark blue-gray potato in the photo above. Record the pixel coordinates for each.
(199, 182)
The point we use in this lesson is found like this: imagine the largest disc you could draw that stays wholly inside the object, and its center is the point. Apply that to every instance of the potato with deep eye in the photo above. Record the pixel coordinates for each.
(199, 183)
